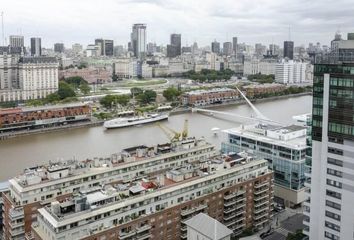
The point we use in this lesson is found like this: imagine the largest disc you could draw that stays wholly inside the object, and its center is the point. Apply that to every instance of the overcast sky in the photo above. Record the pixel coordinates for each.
(252, 21)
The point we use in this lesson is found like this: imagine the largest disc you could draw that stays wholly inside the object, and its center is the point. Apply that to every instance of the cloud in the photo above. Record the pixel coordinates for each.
(203, 21)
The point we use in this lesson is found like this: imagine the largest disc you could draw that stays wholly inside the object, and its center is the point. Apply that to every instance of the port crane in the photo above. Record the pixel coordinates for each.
(174, 135)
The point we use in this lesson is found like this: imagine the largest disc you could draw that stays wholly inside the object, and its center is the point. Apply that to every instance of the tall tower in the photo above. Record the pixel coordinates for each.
(329, 211)
(138, 40)
(289, 49)
(234, 45)
(36, 46)
(16, 41)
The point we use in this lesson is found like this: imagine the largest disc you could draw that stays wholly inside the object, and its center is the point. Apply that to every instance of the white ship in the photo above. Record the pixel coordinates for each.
(132, 121)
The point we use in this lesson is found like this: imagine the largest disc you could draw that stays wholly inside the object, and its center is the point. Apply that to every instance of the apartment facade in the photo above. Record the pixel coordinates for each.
(290, 72)
(284, 147)
(328, 212)
(41, 185)
(237, 192)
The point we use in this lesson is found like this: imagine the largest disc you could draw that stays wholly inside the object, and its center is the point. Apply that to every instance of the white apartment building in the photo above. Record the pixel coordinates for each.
(290, 72)
(251, 67)
(256, 66)
(214, 61)
(146, 70)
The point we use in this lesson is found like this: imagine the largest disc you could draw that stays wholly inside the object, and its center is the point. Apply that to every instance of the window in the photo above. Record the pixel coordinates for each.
(334, 183)
(333, 194)
(332, 226)
(335, 162)
(331, 236)
(335, 150)
(333, 205)
(333, 215)
(334, 172)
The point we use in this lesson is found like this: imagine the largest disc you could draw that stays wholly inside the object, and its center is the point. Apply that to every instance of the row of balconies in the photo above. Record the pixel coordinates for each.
(139, 233)
(192, 210)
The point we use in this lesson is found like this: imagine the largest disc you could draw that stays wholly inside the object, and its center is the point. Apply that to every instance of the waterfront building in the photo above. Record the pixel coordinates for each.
(329, 210)
(284, 147)
(13, 119)
(207, 97)
(261, 90)
(235, 190)
(290, 72)
(125, 68)
(16, 41)
(39, 186)
(36, 46)
(288, 50)
(138, 40)
(59, 47)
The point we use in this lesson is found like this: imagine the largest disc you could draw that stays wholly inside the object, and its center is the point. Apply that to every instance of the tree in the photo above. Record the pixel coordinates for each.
(147, 96)
(75, 81)
(135, 91)
(65, 90)
(171, 93)
(53, 97)
(109, 101)
(85, 88)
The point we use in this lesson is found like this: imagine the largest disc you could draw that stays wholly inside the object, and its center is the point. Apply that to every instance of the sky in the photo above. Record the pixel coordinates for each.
(252, 21)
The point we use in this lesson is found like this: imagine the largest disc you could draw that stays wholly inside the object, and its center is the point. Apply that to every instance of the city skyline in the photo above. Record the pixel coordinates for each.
(198, 21)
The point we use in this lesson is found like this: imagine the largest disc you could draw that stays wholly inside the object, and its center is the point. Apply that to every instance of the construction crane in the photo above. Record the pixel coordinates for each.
(174, 135)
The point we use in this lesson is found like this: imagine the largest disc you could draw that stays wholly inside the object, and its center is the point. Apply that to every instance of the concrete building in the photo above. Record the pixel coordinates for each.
(77, 48)
(290, 72)
(125, 68)
(93, 50)
(288, 50)
(236, 190)
(138, 40)
(227, 49)
(106, 46)
(328, 212)
(39, 186)
(16, 41)
(284, 147)
(215, 47)
(29, 78)
(174, 48)
(59, 47)
(203, 227)
(146, 70)
(36, 47)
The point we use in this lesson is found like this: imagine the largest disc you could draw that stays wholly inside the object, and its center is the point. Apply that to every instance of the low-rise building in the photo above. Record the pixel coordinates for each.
(91, 74)
(290, 72)
(125, 68)
(255, 90)
(206, 97)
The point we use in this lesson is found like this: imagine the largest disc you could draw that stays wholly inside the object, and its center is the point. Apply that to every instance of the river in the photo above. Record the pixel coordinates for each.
(19, 153)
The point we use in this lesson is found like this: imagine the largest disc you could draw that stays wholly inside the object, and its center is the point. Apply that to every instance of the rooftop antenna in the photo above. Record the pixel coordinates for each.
(289, 34)
(2, 28)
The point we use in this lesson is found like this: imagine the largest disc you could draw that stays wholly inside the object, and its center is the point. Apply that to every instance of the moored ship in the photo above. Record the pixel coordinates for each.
(132, 121)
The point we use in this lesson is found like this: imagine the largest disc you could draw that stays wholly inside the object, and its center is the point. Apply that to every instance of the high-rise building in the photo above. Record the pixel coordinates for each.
(234, 45)
(290, 72)
(329, 211)
(138, 40)
(215, 47)
(227, 48)
(174, 48)
(16, 41)
(289, 49)
(59, 47)
(108, 47)
(77, 48)
(36, 46)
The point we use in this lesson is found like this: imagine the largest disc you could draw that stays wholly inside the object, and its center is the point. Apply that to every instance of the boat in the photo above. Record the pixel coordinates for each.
(133, 121)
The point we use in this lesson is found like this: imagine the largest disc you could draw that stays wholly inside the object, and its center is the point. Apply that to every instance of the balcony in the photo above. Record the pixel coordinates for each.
(143, 228)
(259, 185)
(143, 236)
(261, 197)
(230, 196)
(229, 203)
(184, 236)
(15, 224)
(258, 210)
(306, 231)
(261, 215)
(257, 205)
(124, 235)
(16, 213)
(17, 231)
(192, 210)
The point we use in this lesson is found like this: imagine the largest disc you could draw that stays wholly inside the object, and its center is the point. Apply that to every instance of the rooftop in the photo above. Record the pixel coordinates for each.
(291, 136)
(214, 90)
(209, 227)
(40, 108)
(38, 60)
